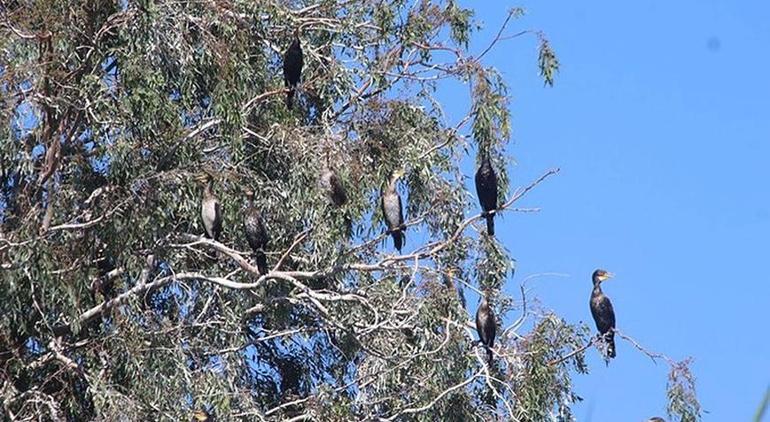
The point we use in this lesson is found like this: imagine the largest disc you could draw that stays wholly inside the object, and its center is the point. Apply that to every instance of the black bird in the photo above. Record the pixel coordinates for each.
(211, 211)
(656, 419)
(292, 68)
(256, 232)
(601, 309)
(393, 211)
(103, 281)
(485, 326)
(486, 189)
(333, 187)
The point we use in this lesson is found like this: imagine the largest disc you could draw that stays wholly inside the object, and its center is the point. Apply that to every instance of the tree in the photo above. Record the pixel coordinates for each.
(115, 307)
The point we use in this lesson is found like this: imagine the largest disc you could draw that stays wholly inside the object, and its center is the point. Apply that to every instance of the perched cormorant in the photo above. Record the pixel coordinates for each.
(393, 211)
(256, 232)
(211, 211)
(601, 309)
(333, 187)
(486, 188)
(102, 282)
(292, 68)
(485, 326)
(449, 281)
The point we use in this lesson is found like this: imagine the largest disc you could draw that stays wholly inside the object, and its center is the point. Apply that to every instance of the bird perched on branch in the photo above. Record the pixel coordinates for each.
(486, 326)
(486, 189)
(256, 232)
(333, 187)
(292, 68)
(601, 309)
(211, 211)
(393, 211)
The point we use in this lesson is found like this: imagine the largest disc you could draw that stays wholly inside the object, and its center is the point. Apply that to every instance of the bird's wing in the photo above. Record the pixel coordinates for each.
(485, 326)
(480, 326)
(493, 186)
(479, 183)
(338, 194)
(254, 228)
(492, 328)
(217, 214)
(263, 229)
(384, 209)
(300, 61)
(611, 313)
(400, 210)
(486, 187)
(603, 313)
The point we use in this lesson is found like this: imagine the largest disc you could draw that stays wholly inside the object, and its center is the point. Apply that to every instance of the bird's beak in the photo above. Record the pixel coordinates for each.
(609, 276)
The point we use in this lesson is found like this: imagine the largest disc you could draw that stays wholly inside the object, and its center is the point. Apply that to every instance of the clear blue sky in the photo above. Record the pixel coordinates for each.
(660, 122)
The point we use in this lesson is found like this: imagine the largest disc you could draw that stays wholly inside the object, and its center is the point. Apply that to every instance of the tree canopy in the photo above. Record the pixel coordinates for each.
(113, 306)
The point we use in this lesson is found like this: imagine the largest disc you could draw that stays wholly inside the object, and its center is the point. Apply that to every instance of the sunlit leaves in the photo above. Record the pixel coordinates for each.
(547, 61)
(460, 23)
(543, 387)
(682, 401)
(171, 90)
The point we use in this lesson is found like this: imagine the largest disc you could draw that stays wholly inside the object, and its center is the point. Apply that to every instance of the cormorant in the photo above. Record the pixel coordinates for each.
(486, 188)
(292, 68)
(102, 282)
(333, 187)
(256, 232)
(601, 309)
(393, 211)
(211, 211)
(485, 326)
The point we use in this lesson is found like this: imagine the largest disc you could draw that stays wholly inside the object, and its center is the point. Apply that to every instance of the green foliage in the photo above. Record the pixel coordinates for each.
(682, 400)
(112, 307)
(549, 64)
(460, 23)
(544, 384)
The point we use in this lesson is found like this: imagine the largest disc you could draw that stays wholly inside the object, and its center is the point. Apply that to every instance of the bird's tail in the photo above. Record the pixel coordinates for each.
(398, 239)
(261, 259)
(491, 224)
(611, 344)
(489, 356)
(290, 98)
(348, 222)
(211, 258)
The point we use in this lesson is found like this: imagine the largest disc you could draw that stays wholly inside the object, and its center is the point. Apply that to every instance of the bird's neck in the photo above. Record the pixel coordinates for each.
(484, 305)
(597, 288)
(392, 184)
(484, 153)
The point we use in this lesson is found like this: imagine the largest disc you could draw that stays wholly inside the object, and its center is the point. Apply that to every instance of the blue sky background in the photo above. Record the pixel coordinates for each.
(660, 122)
